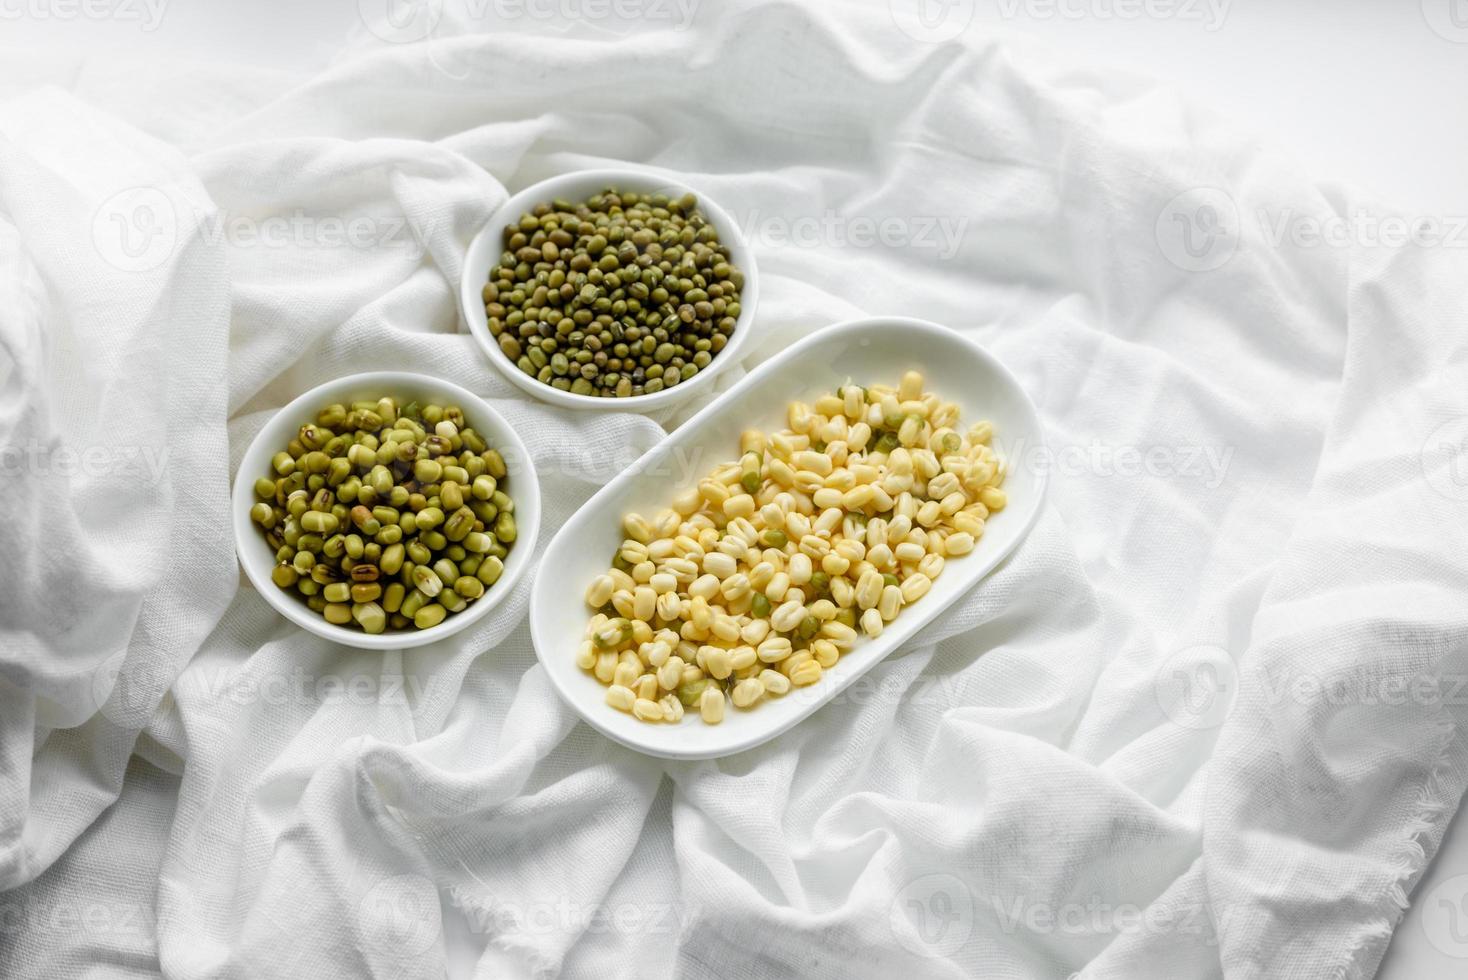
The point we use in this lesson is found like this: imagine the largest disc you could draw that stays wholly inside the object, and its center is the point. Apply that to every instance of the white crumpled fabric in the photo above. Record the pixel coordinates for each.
(1204, 722)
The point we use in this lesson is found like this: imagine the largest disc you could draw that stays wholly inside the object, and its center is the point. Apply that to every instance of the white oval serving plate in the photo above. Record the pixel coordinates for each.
(868, 351)
(486, 248)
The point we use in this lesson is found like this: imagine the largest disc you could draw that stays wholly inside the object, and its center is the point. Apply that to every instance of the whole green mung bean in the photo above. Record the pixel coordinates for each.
(386, 517)
(621, 294)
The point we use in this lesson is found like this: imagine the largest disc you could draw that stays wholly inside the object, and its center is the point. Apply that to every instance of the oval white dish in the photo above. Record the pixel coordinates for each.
(868, 351)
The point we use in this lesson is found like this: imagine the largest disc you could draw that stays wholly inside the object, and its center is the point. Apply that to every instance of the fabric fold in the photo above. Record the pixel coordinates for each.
(1204, 722)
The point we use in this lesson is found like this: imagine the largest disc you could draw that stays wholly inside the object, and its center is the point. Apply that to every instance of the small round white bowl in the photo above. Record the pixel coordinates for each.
(487, 247)
(521, 484)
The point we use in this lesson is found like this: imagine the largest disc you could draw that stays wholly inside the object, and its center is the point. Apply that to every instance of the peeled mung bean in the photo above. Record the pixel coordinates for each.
(376, 519)
(646, 709)
(747, 692)
(759, 578)
(711, 705)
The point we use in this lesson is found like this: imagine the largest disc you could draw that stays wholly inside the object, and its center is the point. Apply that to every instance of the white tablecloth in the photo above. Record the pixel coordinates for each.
(1203, 722)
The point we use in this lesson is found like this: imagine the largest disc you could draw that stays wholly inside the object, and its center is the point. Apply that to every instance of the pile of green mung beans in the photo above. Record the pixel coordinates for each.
(622, 294)
(387, 517)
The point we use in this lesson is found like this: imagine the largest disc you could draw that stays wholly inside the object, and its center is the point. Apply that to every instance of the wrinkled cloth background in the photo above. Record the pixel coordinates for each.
(1203, 723)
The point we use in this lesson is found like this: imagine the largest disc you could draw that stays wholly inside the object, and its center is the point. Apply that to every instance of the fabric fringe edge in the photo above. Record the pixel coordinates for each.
(1363, 955)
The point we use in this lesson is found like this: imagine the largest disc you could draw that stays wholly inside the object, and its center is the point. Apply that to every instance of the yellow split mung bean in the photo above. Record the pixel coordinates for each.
(759, 578)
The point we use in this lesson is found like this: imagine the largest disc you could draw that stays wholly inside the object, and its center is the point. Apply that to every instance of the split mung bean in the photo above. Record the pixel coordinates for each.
(621, 294)
(385, 516)
(760, 577)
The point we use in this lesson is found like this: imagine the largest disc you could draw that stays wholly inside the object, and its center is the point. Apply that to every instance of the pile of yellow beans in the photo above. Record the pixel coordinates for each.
(759, 578)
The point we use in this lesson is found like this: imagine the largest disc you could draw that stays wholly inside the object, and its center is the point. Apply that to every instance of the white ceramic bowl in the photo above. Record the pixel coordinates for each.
(521, 484)
(485, 250)
(863, 351)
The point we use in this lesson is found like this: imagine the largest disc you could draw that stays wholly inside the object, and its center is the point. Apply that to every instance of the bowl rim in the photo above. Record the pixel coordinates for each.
(526, 486)
(674, 750)
(471, 305)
